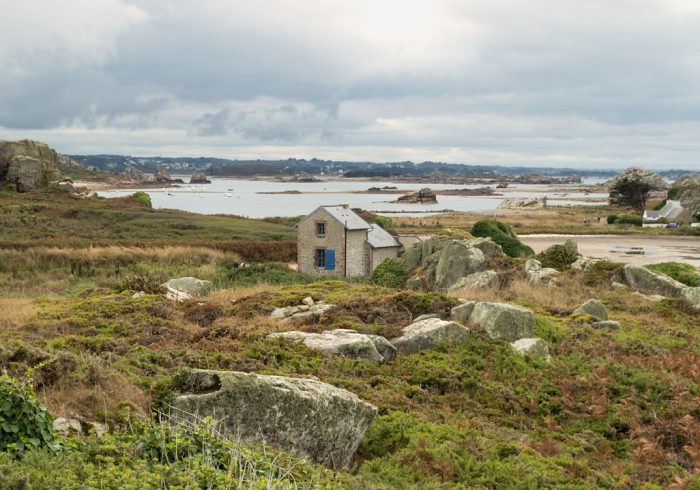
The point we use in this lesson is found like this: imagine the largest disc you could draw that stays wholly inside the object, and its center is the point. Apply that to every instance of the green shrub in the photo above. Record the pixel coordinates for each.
(629, 219)
(612, 218)
(24, 422)
(267, 273)
(502, 234)
(696, 215)
(673, 193)
(390, 273)
(681, 272)
(143, 199)
(558, 257)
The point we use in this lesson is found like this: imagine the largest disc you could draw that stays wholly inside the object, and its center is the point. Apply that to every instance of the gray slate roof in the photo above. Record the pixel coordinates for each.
(379, 238)
(345, 215)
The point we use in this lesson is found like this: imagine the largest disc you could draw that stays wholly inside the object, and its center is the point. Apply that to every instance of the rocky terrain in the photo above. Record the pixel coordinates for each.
(155, 351)
(28, 165)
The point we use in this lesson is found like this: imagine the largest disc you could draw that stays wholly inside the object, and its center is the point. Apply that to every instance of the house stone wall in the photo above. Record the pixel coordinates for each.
(379, 254)
(358, 253)
(308, 242)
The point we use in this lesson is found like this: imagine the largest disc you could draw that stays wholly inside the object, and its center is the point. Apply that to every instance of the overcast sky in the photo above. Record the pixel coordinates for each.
(595, 83)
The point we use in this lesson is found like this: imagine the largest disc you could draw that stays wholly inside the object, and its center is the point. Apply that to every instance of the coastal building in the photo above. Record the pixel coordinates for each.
(672, 212)
(335, 241)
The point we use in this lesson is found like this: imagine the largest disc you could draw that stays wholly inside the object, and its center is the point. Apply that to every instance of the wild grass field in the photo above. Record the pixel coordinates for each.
(613, 408)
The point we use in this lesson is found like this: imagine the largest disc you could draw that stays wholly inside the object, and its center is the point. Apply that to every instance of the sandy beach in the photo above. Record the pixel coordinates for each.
(631, 249)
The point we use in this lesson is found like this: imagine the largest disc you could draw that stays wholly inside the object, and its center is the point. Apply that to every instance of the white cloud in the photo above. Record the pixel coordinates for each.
(589, 83)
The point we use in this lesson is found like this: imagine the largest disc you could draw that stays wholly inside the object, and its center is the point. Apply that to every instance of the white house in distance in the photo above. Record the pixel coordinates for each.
(334, 241)
(670, 213)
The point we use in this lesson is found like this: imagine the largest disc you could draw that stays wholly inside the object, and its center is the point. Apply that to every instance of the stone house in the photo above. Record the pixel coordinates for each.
(334, 241)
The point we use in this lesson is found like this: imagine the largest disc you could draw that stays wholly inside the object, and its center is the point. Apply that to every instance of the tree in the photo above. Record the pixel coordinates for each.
(630, 192)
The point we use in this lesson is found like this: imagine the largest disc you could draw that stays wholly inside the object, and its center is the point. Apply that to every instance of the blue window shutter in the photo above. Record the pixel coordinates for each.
(330, 260)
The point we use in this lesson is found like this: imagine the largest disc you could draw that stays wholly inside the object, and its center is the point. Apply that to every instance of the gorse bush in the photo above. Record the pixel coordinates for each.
(24, 422)
(612, 218)
(629, 219)
(390, 273)
(681, 272)
(502, 234)
(143, 199)
(557, 256)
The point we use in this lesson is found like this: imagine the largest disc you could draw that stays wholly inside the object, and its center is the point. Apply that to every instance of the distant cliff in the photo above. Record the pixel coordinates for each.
(28, 165)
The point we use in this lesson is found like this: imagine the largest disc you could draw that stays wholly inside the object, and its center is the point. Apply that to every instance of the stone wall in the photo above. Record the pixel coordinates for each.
(358, 253)
(378, 255)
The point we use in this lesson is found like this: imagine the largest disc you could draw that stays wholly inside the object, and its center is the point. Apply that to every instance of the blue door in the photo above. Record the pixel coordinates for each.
(330, 260)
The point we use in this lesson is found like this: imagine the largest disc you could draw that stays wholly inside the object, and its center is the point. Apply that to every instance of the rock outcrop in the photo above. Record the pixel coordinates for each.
(592, 308)
(585, 264)
(688, 187)
(301, 311)
(443, 261)
(425, 334)
(184, 288)
(524, 203)
(423, 196)
(132, 175)
(162, 176)
(28, 165)
(303, 416)
(199, 178)
(655, 181)
(461, 313)
(639, 277)
(499, 320)
(345, 343)
(536, 274)
(478, 280)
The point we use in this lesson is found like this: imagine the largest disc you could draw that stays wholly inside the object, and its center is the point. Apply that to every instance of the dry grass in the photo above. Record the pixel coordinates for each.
(568, 295)
(80, 399)
(40, 256)
(227, 296)
(17, 312)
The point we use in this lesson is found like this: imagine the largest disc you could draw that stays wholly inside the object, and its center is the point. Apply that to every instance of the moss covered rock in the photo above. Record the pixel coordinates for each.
(303, 416)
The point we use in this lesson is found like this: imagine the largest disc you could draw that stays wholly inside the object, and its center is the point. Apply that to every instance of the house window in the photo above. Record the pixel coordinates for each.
(324, 259)
(321, 229)
(320, 258)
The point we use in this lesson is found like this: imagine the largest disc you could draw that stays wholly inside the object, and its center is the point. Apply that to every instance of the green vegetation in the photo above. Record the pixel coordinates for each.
(150, 455)
(502, 234)
(61, 220)
(681, 272)
(24, 422)
(143, 199)
(630, 192)
(624, 219)
(267, 273)
(557, 256)
(390, 273)
(613, 409)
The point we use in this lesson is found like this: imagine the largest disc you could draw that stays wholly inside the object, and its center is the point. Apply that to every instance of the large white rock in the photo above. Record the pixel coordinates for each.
(499, 320)
(184, 288)
(692, 295)
(532, 347)
(303, 416)
(344, 342)
(641, 278)
(425, 334)
(536, 274)
(478, 280)
(593, 308)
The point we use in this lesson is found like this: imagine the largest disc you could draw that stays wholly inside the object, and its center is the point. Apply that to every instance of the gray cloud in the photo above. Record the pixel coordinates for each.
(586, 83)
